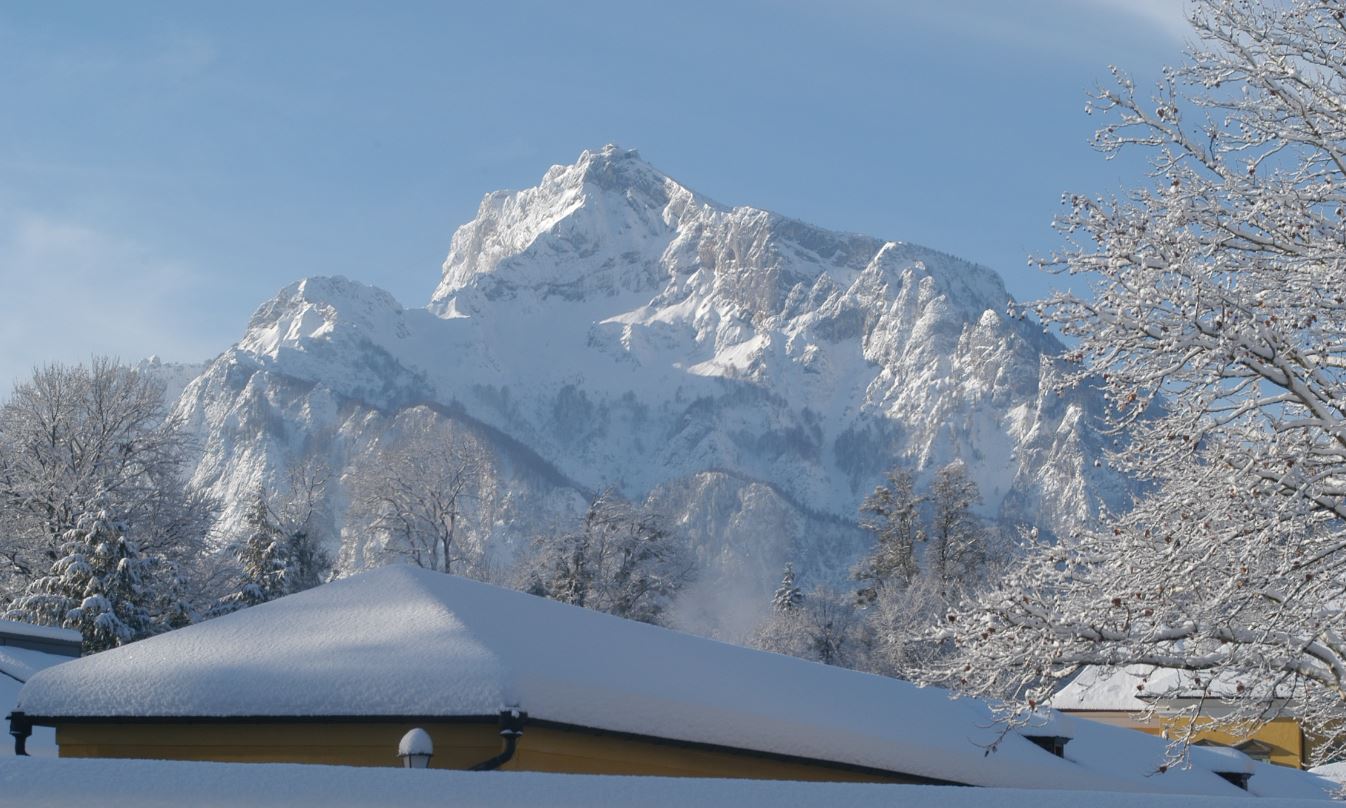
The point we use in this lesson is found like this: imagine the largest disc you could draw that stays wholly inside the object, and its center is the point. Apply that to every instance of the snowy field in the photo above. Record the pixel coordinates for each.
(35, 783)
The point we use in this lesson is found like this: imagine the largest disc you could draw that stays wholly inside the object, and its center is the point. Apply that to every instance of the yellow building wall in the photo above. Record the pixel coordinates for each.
(1283, 735)
(457, 746)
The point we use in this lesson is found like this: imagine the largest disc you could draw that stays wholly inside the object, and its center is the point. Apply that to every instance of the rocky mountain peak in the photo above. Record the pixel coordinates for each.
(753, 374)
(586, 217)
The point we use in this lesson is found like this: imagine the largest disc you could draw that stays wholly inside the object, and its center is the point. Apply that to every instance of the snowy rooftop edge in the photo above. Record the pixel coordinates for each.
(16, 628)
(1138, 688)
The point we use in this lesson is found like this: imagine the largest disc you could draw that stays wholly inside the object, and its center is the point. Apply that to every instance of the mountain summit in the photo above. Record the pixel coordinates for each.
(750, 374)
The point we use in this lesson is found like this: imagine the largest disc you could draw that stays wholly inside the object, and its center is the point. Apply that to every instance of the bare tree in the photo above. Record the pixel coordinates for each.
(1215, 326)
(416, 491)
(823, 626)
(958, 553)
(932, 553)
(622, 559)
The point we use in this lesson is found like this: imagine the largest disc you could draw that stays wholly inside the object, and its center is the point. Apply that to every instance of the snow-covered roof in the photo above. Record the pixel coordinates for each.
(18, 665)
(1136, 688)
(52, 640)
(406, 642)
(178, 784)
(1335, 772)
(1097, 688)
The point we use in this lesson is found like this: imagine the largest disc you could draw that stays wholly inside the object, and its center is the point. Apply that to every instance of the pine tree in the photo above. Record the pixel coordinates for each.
(892, 515)
(101, 586)
(309, 563)
(788, 597)
(265, 557)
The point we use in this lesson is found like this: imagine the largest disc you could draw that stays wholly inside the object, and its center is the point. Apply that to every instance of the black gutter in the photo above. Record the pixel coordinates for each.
(21, 727)
(511, 729)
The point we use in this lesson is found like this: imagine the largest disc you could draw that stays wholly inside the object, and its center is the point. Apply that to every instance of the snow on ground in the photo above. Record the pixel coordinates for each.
(164, 784)
(402, 641)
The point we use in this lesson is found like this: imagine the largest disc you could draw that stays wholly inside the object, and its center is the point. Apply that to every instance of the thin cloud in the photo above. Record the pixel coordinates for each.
(1167, 17)
(1073, 29)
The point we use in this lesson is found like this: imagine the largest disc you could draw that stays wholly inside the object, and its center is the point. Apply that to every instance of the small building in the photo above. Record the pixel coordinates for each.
(24, 650)
(1161, 701)
(502, 679)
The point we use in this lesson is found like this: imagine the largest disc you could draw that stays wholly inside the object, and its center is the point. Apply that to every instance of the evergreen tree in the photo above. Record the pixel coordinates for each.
(265, 557)
(892, 515)
(101, 585)
(309, 563)
(788, 597)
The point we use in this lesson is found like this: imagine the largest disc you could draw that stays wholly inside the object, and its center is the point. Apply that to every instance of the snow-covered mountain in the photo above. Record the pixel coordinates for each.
(752, 374)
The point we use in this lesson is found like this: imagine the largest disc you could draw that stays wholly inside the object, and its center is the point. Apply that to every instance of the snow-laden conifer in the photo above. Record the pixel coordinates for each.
(788, 596)
(824, 626)
(265, 559)
(101, 585)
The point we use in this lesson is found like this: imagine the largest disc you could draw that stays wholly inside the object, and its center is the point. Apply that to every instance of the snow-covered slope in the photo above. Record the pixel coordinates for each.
(609, 326)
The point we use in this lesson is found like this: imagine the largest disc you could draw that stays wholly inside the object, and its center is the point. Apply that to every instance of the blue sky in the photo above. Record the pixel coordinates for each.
(166, 167)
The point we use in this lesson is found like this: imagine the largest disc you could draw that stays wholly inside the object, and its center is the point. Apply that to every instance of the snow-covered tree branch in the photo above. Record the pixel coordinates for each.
(621, 559)
(81, 440)
(417, 491)
(1217, 328)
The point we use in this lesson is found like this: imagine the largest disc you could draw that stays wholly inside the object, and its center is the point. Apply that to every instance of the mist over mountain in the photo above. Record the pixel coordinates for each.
(751, 375)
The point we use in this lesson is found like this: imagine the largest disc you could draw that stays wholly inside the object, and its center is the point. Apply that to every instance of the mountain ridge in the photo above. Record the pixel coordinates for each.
(631, 333)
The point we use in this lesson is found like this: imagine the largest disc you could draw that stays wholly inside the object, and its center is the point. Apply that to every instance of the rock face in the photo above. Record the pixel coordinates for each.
(752, 374)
